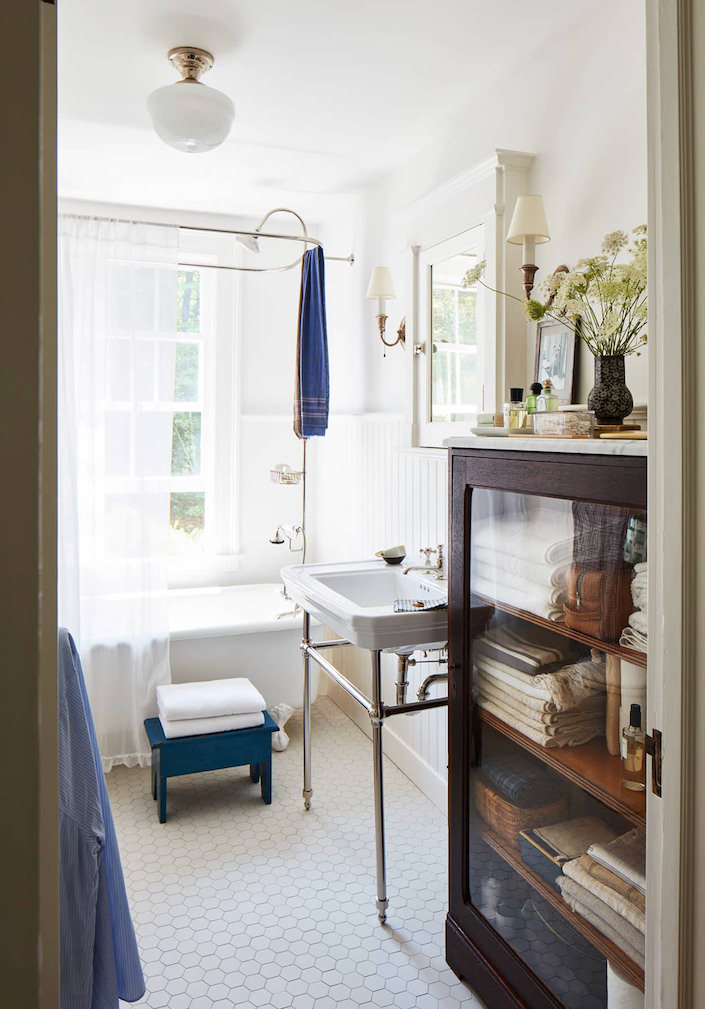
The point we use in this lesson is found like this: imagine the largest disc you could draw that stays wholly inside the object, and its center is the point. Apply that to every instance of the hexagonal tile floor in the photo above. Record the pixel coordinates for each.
(240, 904)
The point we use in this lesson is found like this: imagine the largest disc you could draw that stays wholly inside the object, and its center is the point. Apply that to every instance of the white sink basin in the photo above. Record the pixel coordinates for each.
(357, 601)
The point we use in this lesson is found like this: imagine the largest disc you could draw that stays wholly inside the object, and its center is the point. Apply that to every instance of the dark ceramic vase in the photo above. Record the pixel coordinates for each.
(610, 398)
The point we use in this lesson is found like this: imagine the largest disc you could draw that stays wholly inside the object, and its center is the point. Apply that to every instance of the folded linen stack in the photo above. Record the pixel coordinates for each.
(522, 561)
(562, 707)
(521, 780)
(194, 709)
(635, 633)
(546, 849)
(607, 886)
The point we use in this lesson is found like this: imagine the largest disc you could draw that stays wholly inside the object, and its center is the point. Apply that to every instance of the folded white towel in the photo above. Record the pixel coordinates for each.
(631, 638)
(543, 574)
(523, 598)
(209, 699)
(639, 621)
(545, 538)
(509, 580)
(204, 726)
(640, 590)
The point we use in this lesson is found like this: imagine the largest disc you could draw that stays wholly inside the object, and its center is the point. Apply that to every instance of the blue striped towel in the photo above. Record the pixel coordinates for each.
(312, 380)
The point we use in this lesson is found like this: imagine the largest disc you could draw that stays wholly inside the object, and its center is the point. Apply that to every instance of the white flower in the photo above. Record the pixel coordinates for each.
(614, 242)
(472, 276)
(574, 306)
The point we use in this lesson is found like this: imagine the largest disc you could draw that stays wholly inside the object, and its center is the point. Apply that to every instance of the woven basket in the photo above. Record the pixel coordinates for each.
(507, 820)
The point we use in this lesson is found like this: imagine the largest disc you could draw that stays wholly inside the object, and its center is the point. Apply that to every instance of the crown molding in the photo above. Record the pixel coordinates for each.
(501, 159)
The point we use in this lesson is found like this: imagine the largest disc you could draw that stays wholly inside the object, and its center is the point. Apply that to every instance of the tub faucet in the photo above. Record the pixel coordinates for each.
(436, 568)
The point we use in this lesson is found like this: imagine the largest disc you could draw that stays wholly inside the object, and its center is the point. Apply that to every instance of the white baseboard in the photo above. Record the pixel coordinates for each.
(406, 759)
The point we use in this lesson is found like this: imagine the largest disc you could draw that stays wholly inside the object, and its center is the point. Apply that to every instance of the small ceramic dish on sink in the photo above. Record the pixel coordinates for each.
(392, 555)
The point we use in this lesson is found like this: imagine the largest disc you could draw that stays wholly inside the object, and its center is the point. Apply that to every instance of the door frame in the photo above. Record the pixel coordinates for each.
(676, 472)
(673, 476)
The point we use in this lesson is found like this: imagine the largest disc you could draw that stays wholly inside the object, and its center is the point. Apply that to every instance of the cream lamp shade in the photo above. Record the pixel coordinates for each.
(381, 286)
(528, 225)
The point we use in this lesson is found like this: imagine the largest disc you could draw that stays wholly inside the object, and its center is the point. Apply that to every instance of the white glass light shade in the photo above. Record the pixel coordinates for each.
(381, 285)
(528, 221)
(190, 116)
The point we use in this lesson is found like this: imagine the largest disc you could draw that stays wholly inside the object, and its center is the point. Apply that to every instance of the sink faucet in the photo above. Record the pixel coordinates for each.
(437, 568)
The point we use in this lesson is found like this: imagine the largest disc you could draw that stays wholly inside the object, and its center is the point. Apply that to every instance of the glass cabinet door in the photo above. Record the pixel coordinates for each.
(557, 657)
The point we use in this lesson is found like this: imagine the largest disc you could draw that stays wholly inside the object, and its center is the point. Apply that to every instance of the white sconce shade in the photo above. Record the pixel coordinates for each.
(190, 116)
(381, 287)
(528, 221)
(381, 284)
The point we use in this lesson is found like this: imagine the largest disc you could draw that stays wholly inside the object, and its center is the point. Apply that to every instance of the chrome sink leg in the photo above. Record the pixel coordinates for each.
(377, 719)
(308, 791)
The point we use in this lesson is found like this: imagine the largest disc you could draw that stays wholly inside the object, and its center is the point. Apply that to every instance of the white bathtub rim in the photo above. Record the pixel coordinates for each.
(189, 629)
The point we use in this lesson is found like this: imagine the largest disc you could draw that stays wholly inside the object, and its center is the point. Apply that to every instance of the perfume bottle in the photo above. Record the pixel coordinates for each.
(634, 752)
(515, 409)
(536, 389)
(548, 400)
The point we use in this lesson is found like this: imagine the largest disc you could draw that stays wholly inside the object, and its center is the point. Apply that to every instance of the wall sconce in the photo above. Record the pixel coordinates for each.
(382, 288)
(528, 228)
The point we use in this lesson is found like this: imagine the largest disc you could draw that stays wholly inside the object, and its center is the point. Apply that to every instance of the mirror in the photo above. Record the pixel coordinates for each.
(456, 386)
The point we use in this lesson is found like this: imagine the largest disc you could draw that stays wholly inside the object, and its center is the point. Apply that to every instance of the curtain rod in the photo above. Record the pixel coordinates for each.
(306, 239)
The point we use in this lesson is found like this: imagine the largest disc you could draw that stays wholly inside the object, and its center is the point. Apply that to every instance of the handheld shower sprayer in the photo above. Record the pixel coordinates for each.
(289, 533)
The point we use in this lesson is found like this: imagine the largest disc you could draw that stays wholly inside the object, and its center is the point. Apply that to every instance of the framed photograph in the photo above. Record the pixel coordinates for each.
(556, 358)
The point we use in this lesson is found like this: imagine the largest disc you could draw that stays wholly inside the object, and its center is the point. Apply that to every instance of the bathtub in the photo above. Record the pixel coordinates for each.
(234, 631)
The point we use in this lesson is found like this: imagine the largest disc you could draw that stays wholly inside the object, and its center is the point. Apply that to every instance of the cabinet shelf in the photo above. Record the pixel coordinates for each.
(619, 960)
(589, 766)
(612, 647)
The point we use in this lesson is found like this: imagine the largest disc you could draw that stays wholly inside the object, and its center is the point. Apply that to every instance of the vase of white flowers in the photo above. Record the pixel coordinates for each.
(609, 397)
(603, 298)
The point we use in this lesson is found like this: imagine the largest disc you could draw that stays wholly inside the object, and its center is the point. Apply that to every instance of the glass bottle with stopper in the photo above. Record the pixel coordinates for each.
(536, 390)
(515, 409)
(548, 400)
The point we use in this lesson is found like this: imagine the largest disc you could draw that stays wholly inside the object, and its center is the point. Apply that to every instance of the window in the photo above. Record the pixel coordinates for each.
(455, 371)
(203, 512)
(187, 499)
(180, 357)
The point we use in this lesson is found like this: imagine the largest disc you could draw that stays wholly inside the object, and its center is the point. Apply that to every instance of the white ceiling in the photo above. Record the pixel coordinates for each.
(329, 95)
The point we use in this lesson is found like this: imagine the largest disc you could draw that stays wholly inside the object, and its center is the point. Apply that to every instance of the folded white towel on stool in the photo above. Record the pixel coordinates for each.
(209, 699)
(204, 726)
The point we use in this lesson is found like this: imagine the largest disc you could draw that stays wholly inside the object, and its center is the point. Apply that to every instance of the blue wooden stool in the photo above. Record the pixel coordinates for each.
(211, 752)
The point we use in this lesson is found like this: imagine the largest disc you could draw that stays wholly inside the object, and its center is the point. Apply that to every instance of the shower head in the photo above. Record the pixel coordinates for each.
(249, 242)
(277, 539)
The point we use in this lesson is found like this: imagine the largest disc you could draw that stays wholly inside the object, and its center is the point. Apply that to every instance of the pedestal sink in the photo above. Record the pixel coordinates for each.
(357, 601)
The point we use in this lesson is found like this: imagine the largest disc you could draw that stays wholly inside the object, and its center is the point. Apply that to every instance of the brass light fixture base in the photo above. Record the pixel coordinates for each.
(401, 332)
(190, 62)
(529, 271)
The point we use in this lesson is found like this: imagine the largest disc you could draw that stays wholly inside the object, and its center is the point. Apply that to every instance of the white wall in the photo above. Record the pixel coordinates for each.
(581, 109)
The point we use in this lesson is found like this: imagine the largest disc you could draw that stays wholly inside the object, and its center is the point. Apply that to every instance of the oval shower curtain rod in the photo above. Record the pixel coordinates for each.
(256, 235)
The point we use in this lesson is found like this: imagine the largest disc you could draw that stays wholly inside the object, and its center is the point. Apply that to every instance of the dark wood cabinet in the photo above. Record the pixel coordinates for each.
(522, 525)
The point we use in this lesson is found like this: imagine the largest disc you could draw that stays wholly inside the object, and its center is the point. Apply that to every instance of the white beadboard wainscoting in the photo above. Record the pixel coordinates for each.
(368, 490)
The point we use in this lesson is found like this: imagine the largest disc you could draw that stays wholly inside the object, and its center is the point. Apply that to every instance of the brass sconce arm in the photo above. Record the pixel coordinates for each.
(401, 332)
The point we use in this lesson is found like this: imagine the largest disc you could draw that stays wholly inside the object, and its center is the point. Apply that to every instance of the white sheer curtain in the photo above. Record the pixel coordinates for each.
(117, 329)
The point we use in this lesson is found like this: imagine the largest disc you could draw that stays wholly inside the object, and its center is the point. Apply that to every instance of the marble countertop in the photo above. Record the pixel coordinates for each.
(579, 446)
